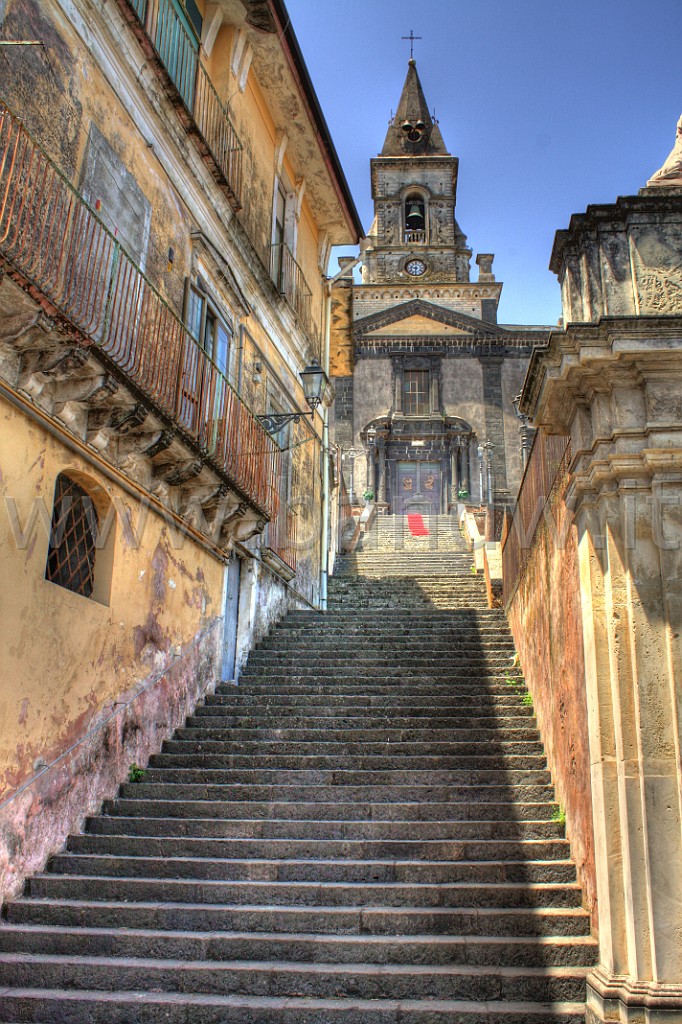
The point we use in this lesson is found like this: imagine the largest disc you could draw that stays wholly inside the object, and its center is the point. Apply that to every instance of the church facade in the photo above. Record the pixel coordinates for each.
(425, 376)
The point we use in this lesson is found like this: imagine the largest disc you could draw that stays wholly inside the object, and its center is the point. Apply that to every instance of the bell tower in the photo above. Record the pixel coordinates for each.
(416, 241)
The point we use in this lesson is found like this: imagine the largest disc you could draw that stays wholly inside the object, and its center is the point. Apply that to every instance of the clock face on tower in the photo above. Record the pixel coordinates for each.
(415, 268)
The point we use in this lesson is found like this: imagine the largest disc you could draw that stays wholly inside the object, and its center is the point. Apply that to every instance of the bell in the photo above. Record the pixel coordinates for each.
(415, 216)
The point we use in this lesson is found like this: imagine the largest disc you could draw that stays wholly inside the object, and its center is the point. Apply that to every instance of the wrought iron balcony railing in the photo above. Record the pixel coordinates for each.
(159, 22)
(291, 282)
(56, 243)
(282, 535)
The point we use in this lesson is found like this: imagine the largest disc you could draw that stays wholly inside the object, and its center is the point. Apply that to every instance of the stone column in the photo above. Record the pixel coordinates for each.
(465, 452)
(370, 485)
(454, 470)
(381, 488)
(494, 417)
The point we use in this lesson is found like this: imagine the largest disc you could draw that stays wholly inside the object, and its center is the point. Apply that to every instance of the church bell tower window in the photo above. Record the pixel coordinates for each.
(414, 209)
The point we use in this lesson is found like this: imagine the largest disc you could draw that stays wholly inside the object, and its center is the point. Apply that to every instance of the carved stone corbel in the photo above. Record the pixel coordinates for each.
(247, 529)
(39, 367)
(161, 441)
(103, 425)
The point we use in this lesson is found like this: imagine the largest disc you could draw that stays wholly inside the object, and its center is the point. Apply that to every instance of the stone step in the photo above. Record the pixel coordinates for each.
(335, 763)
(339, 779)
(311, 741)
(52, 1006)
(181, 838)
(101, 913)
(186, 785)
(344, 647)
(320, 813)
(403, 684)
(381, 660)
(433, 872)
(179, 756)
(422, 598)
(311, 894)
(197, 821)
(347, 626)
(286, 978)
(346, 704)
(527, 952)
(515, 721)
(465, 617)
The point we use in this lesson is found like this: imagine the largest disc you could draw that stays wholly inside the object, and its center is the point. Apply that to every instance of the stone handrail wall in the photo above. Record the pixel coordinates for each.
(545, 617)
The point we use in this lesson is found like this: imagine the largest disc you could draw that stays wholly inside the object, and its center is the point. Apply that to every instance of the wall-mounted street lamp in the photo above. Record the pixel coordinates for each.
(525, 430)
(315, 388)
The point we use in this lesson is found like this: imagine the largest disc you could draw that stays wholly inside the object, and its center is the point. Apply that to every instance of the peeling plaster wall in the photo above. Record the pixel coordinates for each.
(263, 600)
(546, 620)
(67, 659)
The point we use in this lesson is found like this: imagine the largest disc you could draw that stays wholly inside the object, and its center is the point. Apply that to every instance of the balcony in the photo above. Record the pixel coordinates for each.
(282, 542)
(416, 237)
(174, 51)
(290, 281)
(58, 250)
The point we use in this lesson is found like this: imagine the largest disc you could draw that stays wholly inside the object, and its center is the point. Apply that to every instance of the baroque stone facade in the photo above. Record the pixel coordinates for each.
(431, 419)
(612, 384)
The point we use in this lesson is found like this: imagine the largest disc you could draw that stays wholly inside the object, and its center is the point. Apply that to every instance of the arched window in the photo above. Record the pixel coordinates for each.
(414, 211)
(79, 556)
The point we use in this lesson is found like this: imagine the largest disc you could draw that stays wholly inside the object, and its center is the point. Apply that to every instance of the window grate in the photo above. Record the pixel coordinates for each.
(73, 536)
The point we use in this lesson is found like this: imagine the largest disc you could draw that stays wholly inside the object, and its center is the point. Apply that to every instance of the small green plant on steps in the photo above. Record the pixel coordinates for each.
(559, 816)
(472, 570)
(527, 699)
(135, 773)
(516, 682)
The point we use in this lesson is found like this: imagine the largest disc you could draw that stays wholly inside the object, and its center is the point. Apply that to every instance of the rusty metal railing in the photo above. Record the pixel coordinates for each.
(57, 244)
(178, 52)
(282, 535)
(290, 280)
(547, 466)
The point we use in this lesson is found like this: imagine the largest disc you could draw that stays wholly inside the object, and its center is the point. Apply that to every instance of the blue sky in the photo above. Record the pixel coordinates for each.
(550, 105)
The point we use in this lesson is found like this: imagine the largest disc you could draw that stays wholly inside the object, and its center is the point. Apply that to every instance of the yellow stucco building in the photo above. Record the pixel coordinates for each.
(169, 196)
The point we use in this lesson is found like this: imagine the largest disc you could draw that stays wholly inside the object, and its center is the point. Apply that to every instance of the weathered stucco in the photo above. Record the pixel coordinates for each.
(546, 620)
(68, 660)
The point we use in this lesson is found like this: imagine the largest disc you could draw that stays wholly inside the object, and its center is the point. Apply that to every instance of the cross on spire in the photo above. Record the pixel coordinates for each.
(411, 39)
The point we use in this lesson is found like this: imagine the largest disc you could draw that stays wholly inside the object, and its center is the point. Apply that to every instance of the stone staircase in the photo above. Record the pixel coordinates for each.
(363, 832)
(392, 533)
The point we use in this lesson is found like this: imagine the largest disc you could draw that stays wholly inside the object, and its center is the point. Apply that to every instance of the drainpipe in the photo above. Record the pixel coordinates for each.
(324, 540)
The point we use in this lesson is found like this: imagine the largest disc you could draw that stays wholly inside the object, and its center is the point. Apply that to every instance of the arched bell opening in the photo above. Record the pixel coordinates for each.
(415, 219)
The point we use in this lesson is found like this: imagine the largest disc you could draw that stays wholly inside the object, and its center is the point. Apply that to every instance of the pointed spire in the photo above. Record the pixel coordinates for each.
(412, 131)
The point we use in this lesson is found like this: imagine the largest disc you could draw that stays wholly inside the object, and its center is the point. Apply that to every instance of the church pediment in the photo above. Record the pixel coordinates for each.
(420, 319)
(416, 326)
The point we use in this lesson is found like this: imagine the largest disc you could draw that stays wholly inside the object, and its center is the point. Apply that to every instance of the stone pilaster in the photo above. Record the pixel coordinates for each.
(494, 419)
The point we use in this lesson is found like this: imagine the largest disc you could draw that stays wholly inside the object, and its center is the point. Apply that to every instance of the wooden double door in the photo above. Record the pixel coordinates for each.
(418, 488)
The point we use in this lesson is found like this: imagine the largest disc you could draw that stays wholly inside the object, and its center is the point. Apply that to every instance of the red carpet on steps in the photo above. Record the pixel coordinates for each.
(417, 526)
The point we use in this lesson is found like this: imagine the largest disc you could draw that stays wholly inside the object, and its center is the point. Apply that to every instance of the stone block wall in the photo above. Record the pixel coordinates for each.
(546, 620)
